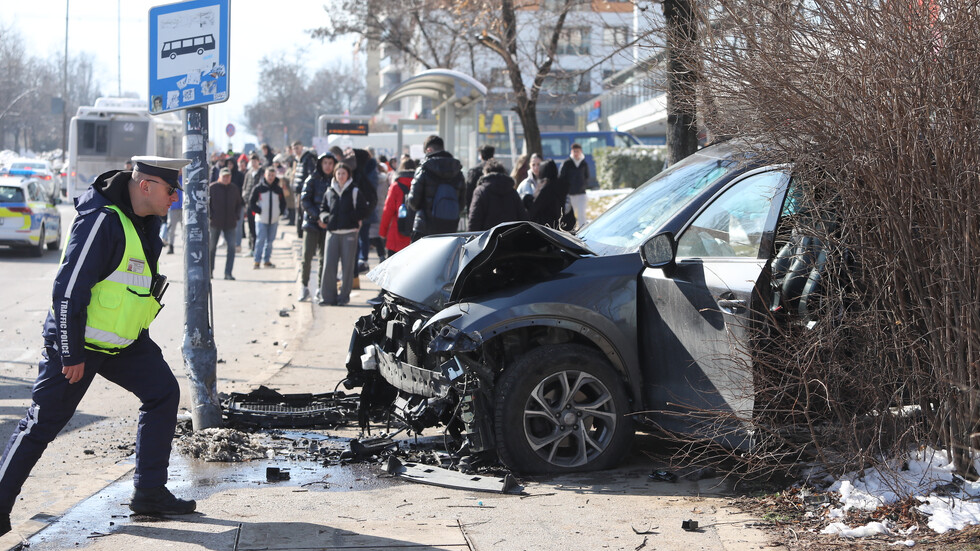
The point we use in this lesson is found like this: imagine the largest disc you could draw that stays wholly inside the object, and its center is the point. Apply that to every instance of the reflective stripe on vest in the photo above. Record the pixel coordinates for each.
(121, 306)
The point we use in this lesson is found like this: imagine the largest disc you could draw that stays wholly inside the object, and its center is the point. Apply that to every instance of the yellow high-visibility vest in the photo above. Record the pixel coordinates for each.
(121, 304)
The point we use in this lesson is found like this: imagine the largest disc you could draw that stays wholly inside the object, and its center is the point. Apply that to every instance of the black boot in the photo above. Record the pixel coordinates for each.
(160, 500)
(4, 523)
(170, 249)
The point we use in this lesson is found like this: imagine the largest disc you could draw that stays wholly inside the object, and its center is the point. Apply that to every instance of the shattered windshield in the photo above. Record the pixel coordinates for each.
(627, 224)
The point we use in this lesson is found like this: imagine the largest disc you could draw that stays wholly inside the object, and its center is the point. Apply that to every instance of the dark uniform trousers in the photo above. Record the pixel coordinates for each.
(140, 369)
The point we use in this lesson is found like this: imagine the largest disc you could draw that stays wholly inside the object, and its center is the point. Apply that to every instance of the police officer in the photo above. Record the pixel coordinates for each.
(106, 293)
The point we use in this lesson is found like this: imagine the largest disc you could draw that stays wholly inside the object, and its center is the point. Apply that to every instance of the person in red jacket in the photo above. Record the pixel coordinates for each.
(395, 240)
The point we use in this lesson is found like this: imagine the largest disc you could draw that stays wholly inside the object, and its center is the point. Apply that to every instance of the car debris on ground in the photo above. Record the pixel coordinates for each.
(265, 423)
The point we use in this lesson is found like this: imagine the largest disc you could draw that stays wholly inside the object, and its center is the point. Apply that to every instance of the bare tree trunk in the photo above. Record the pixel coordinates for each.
(682, 132)
(527, 111)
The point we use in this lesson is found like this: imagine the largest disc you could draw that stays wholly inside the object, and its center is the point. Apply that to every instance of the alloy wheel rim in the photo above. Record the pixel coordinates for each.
(569, 418)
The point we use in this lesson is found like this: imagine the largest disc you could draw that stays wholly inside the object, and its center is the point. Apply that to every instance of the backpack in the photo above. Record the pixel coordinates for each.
(445, 203)
(406, 216)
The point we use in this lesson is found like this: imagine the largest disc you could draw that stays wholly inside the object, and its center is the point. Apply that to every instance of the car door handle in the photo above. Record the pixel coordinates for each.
(731, 306)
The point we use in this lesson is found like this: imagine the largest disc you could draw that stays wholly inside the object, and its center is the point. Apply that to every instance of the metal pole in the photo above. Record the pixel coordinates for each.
(200, 355)
(64, 97)
(119, 48)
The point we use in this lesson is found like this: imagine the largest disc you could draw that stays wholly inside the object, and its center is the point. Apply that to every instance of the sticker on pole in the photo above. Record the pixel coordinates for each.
(188, 54)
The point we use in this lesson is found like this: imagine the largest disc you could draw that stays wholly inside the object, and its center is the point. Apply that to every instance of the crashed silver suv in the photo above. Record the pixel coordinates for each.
(544, 349)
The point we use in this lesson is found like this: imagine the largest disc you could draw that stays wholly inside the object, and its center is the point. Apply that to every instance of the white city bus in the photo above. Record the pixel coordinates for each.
(104, 136)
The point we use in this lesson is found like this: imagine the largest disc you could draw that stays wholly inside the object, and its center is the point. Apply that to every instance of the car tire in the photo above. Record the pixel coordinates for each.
(56, 244)
(38, 250)
(542, 427)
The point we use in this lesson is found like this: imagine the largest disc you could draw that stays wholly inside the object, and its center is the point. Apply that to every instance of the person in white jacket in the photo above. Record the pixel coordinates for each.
(529, 187)
(268, 204)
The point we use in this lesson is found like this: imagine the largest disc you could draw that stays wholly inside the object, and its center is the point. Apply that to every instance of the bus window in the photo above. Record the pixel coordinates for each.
(95, 138)
(554, 147)
(623, 141)
(590, 143)
(127, 138)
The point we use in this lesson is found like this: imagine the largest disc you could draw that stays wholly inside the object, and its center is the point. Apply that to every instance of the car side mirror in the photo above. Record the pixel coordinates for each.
(659, 250)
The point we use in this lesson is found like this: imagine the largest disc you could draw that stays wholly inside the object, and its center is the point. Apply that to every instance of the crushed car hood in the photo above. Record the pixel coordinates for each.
(442, 269)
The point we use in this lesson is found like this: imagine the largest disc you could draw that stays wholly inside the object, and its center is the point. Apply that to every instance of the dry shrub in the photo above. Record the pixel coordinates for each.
(877, 104)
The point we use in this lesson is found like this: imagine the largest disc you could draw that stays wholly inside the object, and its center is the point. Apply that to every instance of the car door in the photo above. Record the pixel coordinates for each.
(695, 313)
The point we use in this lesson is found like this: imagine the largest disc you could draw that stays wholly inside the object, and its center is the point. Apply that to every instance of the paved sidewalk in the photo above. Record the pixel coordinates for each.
(358, 506)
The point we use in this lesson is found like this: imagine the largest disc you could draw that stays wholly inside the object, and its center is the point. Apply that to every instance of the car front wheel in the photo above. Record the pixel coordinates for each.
(562, 408)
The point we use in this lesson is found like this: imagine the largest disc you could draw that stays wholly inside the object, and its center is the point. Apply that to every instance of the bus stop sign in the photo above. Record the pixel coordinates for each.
(188, 54)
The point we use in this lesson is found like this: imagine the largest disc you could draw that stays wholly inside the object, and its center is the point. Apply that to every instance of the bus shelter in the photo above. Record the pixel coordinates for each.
(456, 97)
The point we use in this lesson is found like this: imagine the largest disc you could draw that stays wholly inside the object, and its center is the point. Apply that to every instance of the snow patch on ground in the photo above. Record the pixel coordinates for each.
(950, 502)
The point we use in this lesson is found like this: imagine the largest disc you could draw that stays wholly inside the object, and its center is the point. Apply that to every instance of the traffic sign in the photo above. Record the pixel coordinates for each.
(188, 54)
(230, 130)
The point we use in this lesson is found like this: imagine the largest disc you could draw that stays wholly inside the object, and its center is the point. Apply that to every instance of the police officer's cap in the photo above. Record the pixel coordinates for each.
(162, 167)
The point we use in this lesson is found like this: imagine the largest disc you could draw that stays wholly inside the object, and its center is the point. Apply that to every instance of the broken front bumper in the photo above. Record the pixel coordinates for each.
(410, 378)
(423, 375)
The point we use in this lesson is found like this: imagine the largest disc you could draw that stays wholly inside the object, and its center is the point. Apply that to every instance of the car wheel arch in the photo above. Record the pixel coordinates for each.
(590, 336)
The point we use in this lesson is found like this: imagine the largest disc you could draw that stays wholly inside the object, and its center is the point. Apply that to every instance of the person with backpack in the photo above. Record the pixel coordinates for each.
(396, 219)
(438, 191)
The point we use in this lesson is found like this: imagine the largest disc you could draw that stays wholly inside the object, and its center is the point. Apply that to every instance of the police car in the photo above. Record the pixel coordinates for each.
(37, 168)
(28, 218)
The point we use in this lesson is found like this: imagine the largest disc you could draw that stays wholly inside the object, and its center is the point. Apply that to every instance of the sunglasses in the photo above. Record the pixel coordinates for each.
(173, 188)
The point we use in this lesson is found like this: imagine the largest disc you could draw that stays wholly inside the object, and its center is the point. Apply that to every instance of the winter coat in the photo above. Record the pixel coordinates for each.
(388, 228)
(224, 205)
(575, 178)
(382, 194)
(473, 176)
(551, 196)
(344, 209)
(306, 166)
(267, 202)
(252, 179)
(437, 167)
(495, 201)
(366, 177)
(314, 188)
(95, 247)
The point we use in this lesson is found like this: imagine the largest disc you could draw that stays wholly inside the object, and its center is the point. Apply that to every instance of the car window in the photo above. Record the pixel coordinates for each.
(11, 194)
(733, 224)
(32, 191)
(630, 222)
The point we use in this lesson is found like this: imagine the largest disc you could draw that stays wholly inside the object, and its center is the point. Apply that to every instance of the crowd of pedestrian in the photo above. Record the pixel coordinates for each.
(344, 203)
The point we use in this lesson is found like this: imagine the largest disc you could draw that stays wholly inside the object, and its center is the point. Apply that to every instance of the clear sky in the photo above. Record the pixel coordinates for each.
(100, 27)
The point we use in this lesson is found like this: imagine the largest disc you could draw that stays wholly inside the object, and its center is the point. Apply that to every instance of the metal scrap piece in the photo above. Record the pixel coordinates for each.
(437, 476)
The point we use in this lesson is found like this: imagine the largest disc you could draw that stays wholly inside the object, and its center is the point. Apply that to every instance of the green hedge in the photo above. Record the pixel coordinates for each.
(627, 167)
